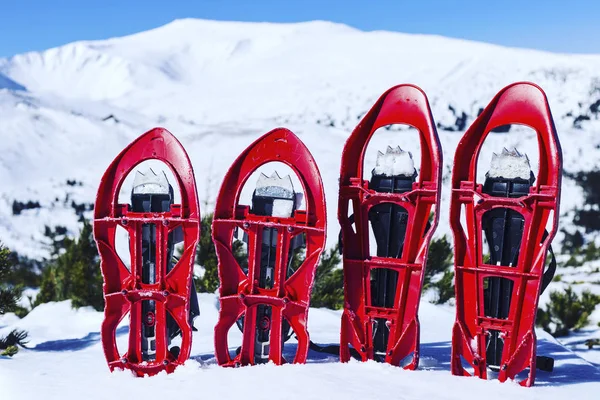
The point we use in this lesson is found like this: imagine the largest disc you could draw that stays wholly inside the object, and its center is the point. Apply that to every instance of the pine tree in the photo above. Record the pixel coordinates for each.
(48, 291)
(74, 274)
(328, 289)
(86, 289)
(24, 271)
(206, 256)
(445, 287)
(9, 297)
(439, 258)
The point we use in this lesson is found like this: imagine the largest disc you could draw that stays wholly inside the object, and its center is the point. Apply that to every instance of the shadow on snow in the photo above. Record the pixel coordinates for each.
(74, 344)
(569, 368)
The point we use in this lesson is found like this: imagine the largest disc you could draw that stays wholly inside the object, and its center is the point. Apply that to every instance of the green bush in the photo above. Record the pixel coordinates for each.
(582, 254)
(445, 287)
(9, 351)
(573, 261)
(9, 294)
(75, 274)
(206, 257)
(9, 297)
(591, 252)
(567, 310)
(9, 344)
(588, 219)
(572, 241)
(24, 271)
(440, 259)
(328, 289)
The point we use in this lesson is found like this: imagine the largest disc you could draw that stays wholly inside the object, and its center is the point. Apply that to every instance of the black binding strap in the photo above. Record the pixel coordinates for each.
(549, 273)
(333, 349)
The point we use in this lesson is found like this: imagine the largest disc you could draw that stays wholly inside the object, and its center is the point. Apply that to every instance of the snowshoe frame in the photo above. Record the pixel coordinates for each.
(526, 104)
(403, 104)
(123, 289)
(240, 294)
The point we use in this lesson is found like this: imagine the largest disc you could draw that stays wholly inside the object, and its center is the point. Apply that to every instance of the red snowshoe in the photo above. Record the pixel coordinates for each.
(497, 293)
(382, 292)
(157, 291)
(268, 297)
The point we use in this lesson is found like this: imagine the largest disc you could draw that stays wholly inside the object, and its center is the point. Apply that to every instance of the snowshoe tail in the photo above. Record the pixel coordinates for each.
(497, 294)
(382, 291)
(266, 298)
(158, 290)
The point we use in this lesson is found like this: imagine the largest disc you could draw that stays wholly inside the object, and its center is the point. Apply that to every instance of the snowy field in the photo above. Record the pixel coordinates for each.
(66, 362)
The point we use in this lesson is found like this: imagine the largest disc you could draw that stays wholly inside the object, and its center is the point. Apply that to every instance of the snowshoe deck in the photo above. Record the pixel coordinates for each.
(382, 292)
(268, 311)
(155, 292)
(497, 299)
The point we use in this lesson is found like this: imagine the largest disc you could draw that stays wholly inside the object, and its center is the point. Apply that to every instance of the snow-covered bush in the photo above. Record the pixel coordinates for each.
(567, 310)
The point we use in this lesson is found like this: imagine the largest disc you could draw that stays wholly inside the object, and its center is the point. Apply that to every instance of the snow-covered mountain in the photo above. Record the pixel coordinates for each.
(66, 112)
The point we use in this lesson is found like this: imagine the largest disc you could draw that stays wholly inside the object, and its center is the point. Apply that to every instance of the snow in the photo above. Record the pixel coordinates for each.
(7, 83)
(66, 361)
(28, 297)
(510, 165)
(56, 321)
(394, 162)
(8, 319)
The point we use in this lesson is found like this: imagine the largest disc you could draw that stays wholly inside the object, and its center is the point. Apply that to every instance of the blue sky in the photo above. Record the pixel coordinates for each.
(562, 26)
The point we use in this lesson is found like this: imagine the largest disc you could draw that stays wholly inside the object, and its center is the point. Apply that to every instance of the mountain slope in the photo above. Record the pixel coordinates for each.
(219, 85)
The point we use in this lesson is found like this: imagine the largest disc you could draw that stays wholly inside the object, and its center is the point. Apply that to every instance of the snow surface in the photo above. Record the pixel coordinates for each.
(7, 83)
(66, 362)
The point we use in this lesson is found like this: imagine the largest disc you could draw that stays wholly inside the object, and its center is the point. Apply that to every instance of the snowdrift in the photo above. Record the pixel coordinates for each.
(65, 361)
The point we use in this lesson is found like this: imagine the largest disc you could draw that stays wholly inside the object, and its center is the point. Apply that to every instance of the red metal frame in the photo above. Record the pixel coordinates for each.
(526, 104)
(124, 290)
(403, 104)
(239, 293)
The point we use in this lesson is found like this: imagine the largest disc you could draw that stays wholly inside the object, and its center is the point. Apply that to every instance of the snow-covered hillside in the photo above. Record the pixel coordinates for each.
(66, 362)
(66, 112)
